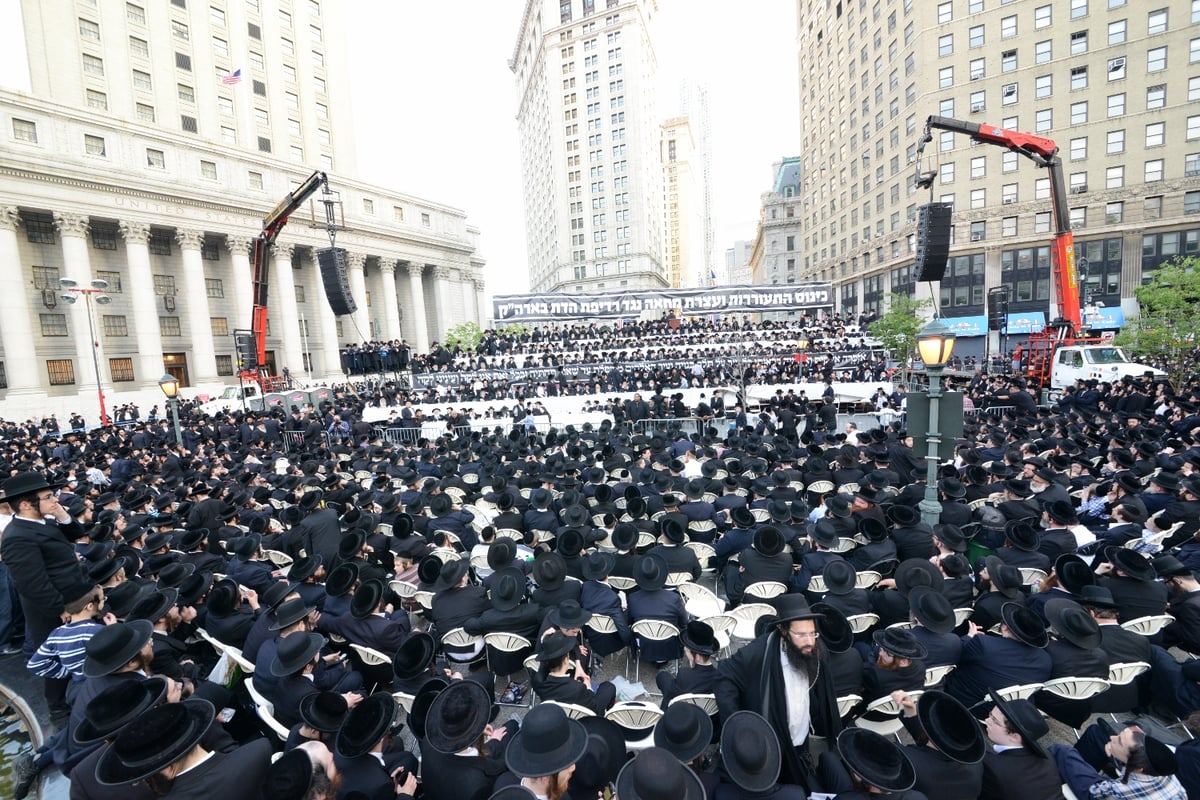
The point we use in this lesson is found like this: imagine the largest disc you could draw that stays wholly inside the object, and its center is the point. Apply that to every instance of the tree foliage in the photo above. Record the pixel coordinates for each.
(465, 336)
(513, 329)
(1167, 330)
(898, 328)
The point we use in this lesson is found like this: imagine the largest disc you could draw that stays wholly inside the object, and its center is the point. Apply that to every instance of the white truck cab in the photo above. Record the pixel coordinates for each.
(231, 399)
(1100, 362)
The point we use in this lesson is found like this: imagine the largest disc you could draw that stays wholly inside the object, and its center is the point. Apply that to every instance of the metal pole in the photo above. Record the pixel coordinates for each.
(173, 402)
(87, 297)
(931, 509)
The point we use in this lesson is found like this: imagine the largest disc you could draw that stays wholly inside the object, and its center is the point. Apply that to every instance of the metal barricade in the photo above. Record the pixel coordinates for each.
(294, 440)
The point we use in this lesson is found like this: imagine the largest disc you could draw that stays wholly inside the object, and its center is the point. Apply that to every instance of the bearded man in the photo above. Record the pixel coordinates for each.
(784, 675)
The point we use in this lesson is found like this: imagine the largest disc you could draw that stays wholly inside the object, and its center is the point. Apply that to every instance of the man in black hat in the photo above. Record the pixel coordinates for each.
(455, 602)
(1016, 656)
(1186, 509)
(305, 771)
(764, 560)
(653, 601)
(1130, 577)
(1074, 649)
(464, 754)
(896, 662)
(867, 765)
(544, 752)
(1144, 766)
(1016, 766)
(933, 623)
(670, 548)
(999, 583)
(598, 597)
(784, 675)
(700, 675)
(372, 622)
(1058, 537)
(1184, 604)
(948, 748)
(365, 756)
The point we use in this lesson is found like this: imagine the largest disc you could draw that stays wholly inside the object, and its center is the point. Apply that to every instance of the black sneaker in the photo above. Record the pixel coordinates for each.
(24, 774)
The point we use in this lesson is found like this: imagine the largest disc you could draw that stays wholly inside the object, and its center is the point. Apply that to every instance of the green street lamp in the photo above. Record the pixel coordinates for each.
(935, 344)
(170, 387)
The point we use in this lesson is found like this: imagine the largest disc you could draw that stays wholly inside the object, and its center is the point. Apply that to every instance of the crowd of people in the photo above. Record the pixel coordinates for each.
(392, 597)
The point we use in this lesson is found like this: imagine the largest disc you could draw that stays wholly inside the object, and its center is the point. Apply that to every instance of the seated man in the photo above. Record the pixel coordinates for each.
(700, 676)
(1016, 766)
(1145, 767)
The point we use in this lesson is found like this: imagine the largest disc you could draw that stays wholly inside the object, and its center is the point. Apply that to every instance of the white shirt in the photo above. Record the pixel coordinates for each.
(795, 684)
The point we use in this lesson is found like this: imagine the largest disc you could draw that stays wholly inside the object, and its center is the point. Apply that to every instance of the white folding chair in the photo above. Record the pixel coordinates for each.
(505, 642)
(1031, 576)
(961, 615)
(746, 616)
(370, 656)
(705, 702)
(861, 623)
(637, 719)
(462, 642)
(867, 579)
(278, 558)
(1123, 673)
(764, 590)
(700, 602)
(266, 711)
(935, 675)
(622, 583)
(654, 630)
(572, 710)
(884, 705)
(1020, 691)
(1148, 626)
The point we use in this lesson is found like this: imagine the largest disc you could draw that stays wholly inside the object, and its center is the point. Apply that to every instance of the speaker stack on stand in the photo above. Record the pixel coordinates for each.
(933, 241)
(332, 261)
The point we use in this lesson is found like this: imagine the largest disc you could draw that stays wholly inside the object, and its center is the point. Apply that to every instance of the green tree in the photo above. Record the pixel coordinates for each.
(1167, 330)
(898, 328)
(513, 329)
(465, 336)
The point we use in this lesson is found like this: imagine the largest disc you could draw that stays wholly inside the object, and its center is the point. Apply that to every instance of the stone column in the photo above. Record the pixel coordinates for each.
(330, 366)
(202, 366)
(16, 320)
(483, 312)
(356, 264)
(89, 347)
(441, 289)
(391, 308)
(243, 279)
(420, 342)
(283, 309)
(144, 302)
(466, 291)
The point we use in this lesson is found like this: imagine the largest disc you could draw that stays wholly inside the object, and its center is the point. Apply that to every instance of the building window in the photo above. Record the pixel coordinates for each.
(975, 36)
(264, 144)
(208, 169)
(155, 159)
(209, 251)
(1042, 17)
(1079, 78)
(220, 47)
(1191, 165)
(188, 123)
(61, 371)
(114, 325)
(1156, 133)
(425, 220)
(1043, 52)
(1156, 22)
(255, 32)
(1079, 8)
(1079, 42)
(1114, 177)
(135, 14)
(53, 324)
(141, 81)
(1114, 213)
(1008, 226)
(1116, 31)
(224, 365)
(104, 237)
(89, 30)
(113, 278)
(1116, 105)
(254, 179)
(220, 326)
(97, 100)
(1152, 207)
(1156, 59)
(214, 287)
(24, 130)
(160, 245)
(1079, 113)
(1154, 170)
(183, 61)
(169, 326)
(139, 47)
(1008, 27)
(145, 113)
(299, 293)
(186, 93)
(1193, 127)
(93, 145)
(946, 45)
(1079, 217)
(216, 16)
(93, 65)
(39, 229)
(1191, 202)
(1043, 120)
(45, 277)
(260, 88)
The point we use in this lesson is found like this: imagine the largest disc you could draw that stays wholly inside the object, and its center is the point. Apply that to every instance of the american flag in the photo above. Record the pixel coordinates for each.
(231, 78)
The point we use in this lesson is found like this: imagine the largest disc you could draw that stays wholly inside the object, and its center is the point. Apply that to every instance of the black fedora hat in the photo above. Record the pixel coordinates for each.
(914, 572)
(365, 725)
(673, 530)
(742, 517)
(931, 609)
(569, 614)
(119, 599)
(428, 569)
(902, 515)
(366, 598)
(174, 574)
(1026, 719)
(154, 741)
(457, 716)
(116, 706)
(1131, 562)
(655, 773)
(340, 579)
(792, 607)
(1005, 578)
(825, 533)
(600, 763)
(569, 542)
(508, 588)
(24, 483)
(684, 731)
(596, 566)
(650, 572)
(839, 576)
(750, 751)
(1171, 567)
(154, 604)
(1097, 596)
(835, 629)
(428, 692)
(194, 587)
(555, 646)
(114, 646)
(294, 652)
(549, 571)
(304, 568)
(625, 536)
(576, 516)
(450, 574)
(1023, 535)
(1068, 619)
(501, 553)
(547, 743)
(289, 777)
(323, 711)
(698, 637)
(1025, 625)
(351, 543)
(768, 541)
(879, 761)
(101, 572)
(951, 536)
(950, 727)
(1073, 573)
(414, 656)
(874, 529)
(289, 613)
(900, 642)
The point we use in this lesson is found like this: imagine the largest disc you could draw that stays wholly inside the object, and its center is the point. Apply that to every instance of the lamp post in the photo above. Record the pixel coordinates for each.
(935, 344)
(97, 289)
(170, 387)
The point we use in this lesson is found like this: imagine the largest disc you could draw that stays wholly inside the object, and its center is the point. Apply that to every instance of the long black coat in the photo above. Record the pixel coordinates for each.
(42, 562)
(752, 679)
(1019, 774)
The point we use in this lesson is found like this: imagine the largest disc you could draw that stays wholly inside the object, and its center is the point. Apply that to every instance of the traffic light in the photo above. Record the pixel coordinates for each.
(997, 308)
(247, 350)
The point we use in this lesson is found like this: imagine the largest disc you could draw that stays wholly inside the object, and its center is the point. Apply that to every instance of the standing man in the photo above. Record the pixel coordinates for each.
(784, 675)
(38, 551)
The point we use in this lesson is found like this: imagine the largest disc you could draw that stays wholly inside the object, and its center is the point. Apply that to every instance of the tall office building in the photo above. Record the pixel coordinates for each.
(684, 209)
(143, 145)
(589, 136)
(775, 256)
(737, 264)
(1110, 81)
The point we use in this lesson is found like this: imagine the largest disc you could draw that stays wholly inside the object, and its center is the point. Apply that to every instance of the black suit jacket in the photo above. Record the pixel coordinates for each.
(658, 604)
(231, 776)
(376, 632)
(700, 679)
(1135, 598)
(1019, 774)
(938, 775)
(453, 607)
(1185, 630)
(42, 562)
(232, 629)
(995, 662)
(286, 695)
(565, 689)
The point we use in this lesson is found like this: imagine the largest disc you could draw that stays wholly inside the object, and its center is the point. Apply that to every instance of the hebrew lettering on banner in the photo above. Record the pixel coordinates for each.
(811, 296)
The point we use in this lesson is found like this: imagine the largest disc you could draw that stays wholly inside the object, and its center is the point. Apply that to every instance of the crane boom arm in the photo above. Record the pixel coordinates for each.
(1044, 153)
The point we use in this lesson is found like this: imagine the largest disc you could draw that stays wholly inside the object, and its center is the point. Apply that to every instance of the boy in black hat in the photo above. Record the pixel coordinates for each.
(700, 676)
(1016, 766)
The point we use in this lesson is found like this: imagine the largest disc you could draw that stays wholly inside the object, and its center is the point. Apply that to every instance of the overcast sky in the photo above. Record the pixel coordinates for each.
(435, 106)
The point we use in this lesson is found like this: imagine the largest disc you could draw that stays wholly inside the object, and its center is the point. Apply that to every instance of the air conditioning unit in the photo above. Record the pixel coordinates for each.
(976, 237)
(1008, 201)
(169, 302)
(1079, 189)
(976, 108)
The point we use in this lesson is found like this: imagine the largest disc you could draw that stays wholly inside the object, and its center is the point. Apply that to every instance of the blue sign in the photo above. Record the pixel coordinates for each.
(967, 326)
(1104, 318)
(1026, 322)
